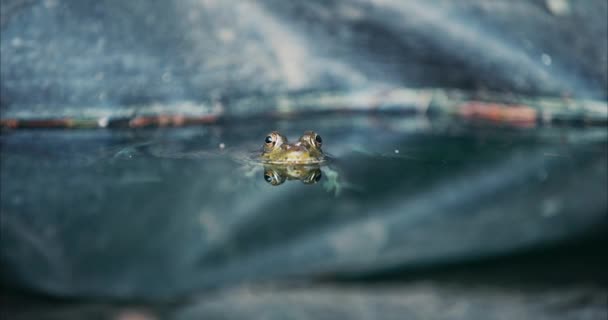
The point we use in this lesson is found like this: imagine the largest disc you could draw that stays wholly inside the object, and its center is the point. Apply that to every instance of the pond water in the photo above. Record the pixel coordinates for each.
(159, 213)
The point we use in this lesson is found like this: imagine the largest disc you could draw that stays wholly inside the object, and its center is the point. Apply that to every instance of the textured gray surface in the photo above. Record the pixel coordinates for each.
(81, 58)
(418, 301)
(565, 282)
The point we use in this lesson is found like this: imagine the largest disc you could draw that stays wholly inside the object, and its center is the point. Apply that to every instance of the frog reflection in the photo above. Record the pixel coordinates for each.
(277, 174)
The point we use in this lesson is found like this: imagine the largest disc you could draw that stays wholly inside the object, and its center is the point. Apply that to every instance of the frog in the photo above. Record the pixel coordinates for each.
(307, 150)
(280, 160)
(301, 160)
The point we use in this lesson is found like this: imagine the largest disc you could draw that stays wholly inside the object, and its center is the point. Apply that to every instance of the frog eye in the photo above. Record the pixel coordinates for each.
(312, 139)
(318, 139)
(273, 140)
(270, 141)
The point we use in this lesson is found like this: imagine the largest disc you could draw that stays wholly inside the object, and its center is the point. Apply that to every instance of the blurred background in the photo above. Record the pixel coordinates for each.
(468, 147)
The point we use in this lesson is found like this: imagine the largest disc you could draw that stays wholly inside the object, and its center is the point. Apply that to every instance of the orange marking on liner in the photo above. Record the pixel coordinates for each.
(521, 114)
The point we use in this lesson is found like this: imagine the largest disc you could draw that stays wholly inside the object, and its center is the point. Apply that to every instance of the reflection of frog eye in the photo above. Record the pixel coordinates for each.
(267, 177)
(318, 177)
(273, 177)
(313, 177)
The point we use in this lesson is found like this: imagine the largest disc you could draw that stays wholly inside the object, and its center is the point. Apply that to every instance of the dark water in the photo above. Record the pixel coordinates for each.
(162, 212)
(166, 213)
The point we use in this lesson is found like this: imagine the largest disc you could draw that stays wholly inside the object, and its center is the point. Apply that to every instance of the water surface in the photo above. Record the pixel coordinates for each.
(164, 212)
